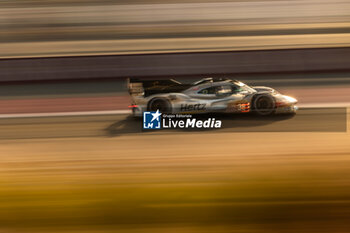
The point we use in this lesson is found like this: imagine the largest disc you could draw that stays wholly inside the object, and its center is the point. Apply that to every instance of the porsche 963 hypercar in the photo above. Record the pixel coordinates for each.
(207, 95)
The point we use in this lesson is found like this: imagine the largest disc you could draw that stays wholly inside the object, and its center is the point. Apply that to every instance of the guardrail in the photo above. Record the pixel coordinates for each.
(202, 63)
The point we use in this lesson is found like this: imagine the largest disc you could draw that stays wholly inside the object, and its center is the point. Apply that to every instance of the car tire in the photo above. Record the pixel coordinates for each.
(263, 105)
(160, 104)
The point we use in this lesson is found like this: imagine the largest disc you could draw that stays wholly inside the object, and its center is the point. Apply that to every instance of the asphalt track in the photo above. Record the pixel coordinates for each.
(306, 120)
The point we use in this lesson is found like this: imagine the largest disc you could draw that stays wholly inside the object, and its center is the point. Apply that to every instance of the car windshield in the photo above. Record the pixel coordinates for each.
(244, 87)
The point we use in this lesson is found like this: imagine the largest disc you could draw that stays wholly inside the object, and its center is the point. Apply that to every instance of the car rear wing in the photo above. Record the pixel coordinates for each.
(135, 87)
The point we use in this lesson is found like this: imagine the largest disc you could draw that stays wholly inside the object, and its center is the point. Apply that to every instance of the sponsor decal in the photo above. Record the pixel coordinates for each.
(157, 120)
(192, 107)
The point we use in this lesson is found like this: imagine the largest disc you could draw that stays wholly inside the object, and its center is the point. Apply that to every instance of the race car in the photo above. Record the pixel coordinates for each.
(207, 95)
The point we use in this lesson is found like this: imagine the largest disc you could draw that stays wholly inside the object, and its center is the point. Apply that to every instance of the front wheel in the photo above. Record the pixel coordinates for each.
(264, 105)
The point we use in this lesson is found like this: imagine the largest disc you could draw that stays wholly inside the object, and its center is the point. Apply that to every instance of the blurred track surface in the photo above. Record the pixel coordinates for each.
(175, 181)
(307, 120)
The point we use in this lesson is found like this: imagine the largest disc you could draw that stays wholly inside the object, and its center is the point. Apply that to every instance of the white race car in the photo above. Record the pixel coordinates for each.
(206, 95)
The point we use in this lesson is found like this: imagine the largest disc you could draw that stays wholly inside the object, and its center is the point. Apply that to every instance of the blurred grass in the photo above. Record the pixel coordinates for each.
(243, 182)
(257, 199)
(233, 182)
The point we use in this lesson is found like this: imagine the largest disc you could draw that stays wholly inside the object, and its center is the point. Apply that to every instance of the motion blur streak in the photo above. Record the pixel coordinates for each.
(72, 28)
(212, 182)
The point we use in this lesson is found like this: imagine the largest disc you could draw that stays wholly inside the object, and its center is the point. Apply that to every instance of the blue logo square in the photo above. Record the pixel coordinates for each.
(151, 120)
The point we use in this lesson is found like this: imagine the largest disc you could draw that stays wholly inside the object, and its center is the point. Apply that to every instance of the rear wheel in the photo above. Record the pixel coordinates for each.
(264, 105)
(159, 104)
